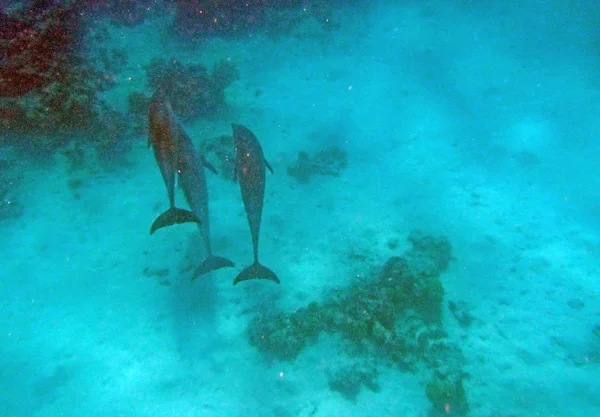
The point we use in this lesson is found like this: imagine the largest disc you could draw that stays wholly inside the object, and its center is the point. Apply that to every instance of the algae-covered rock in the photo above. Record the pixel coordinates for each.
(349, 379)
(447, 395)
(398, 312)
(396, 315)
(461, 313)
(329, 161)
(414, 285)
(276, 336)
(435, 249)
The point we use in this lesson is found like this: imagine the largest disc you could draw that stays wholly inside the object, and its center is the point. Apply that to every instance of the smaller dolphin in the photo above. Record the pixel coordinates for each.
(250, 166)
(163, 140)
(193, 184)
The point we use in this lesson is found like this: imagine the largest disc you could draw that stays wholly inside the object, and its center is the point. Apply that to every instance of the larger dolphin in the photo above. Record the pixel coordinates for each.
(163, 140)
(193, 184)
(250, 166)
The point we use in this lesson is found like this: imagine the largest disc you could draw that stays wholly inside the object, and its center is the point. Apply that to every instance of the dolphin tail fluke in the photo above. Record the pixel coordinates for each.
(211, 263)
(256, 271)
(173, 216)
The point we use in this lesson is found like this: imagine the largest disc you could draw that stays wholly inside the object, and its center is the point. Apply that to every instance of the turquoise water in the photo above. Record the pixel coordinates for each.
(459, 136)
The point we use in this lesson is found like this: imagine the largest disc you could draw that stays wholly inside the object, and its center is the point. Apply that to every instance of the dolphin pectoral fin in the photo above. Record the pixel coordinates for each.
(182, 164)
(208, 165)
(268, 166)
(173, 216)
(211, 263)
(256, 271)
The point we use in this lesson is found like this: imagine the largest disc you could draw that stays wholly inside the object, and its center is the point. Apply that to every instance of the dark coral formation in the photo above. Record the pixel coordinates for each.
(191, 89)
(399, 314)
(49, 88)
(35, 46)
(408, 288)
(447, 395)
(198, 19)
(52, 69)
(329, 161)
(349, 379)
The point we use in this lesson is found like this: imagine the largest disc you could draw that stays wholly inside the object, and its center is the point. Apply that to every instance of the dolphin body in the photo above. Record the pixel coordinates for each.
(163, 140)
(193, 184)
(250, 171)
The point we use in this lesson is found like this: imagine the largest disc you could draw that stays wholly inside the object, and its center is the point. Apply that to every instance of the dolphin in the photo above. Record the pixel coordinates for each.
(192, 181)
(250, 166)
(163, 140)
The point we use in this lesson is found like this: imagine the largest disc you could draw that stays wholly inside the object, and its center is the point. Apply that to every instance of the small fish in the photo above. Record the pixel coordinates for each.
(250, 171)
(193, 184)
(163, 139)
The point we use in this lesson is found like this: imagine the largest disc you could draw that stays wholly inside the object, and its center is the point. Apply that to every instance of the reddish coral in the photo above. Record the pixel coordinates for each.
(34, 45)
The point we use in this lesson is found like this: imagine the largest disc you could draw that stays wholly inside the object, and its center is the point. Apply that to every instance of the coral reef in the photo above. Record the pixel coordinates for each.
(48, 87)
(447, 395)
(398, 313)
(349, 379)
(330, 161)
(190, 89)
(35, 46)
(198, 19)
